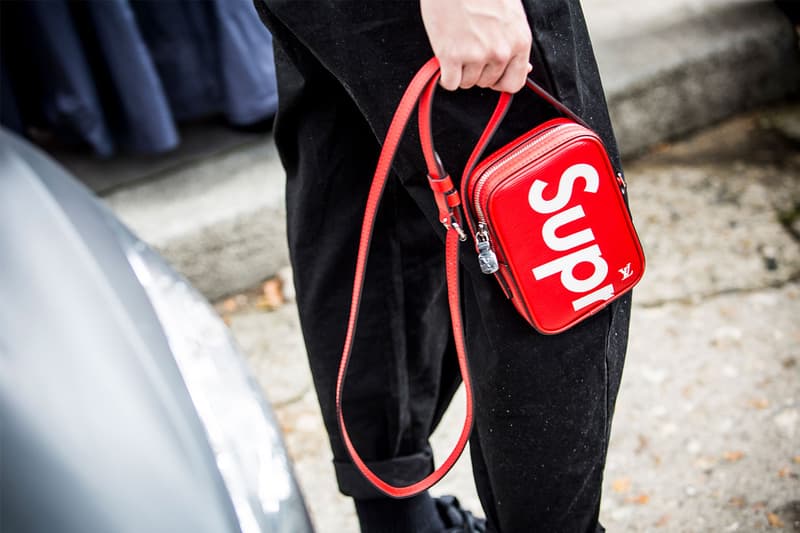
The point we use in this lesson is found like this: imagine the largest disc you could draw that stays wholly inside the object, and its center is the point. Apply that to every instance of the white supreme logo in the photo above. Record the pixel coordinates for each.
(566, 264)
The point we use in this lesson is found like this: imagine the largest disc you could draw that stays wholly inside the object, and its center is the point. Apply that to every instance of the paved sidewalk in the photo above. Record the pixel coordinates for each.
(706, 436)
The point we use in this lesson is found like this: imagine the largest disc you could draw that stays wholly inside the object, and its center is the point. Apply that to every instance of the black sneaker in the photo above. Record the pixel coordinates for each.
(456, 519)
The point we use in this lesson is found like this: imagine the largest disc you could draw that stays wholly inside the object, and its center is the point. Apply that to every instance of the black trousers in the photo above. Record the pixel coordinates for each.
(543, 403)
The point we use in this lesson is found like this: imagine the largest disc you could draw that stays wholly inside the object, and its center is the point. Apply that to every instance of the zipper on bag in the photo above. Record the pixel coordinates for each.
(545, 142)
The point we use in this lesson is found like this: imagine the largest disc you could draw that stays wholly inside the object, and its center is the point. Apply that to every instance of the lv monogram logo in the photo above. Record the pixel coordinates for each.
(626, 271)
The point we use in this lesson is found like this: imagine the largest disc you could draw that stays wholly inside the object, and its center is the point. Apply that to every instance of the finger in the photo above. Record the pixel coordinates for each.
(491, 74)
(513, 78)
(450, 74)
(470, 74)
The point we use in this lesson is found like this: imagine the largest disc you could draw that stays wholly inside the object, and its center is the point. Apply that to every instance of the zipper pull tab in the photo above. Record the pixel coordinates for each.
(487, 259)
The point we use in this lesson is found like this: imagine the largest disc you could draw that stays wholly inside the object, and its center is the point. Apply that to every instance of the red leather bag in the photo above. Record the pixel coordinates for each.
(550, 221)
(548, 217)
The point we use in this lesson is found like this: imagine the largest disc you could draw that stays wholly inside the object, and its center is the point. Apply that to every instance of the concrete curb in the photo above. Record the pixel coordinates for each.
(710, 66)
(221, 221)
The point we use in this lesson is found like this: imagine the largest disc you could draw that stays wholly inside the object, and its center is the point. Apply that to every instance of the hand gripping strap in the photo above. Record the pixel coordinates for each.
(404, 109)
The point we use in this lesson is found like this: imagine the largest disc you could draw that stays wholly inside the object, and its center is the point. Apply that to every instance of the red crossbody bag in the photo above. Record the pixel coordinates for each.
(549, 220)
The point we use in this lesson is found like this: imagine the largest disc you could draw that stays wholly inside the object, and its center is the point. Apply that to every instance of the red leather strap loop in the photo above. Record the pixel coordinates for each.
(441, 185)
(446, 196)
(404, 110)
(453, 199)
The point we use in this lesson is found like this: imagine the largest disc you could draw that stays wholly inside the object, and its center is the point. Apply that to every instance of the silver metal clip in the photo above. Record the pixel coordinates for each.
(450, 223)
(462, 236)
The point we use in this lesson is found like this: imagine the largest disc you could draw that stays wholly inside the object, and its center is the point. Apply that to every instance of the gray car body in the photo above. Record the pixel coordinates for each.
(97, 430)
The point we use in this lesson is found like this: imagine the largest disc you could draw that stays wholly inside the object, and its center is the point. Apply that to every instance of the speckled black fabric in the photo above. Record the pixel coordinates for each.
(543, 403)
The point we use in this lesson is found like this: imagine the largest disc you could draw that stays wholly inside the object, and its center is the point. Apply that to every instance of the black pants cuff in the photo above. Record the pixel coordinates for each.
(399, 471)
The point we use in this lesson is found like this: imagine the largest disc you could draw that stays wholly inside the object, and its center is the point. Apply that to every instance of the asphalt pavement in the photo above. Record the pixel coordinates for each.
(706, 436)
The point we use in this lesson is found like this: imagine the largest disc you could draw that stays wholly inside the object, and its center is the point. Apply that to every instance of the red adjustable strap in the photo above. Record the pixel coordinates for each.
(447, 198)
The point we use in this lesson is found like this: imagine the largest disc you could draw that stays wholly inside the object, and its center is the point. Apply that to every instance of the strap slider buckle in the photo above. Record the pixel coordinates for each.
(447, 200)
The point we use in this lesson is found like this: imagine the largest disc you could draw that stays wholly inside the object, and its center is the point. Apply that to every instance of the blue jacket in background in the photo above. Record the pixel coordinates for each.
(118, 74)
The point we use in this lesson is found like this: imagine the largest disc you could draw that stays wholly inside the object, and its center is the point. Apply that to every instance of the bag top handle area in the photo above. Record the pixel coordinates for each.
(433, 162)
